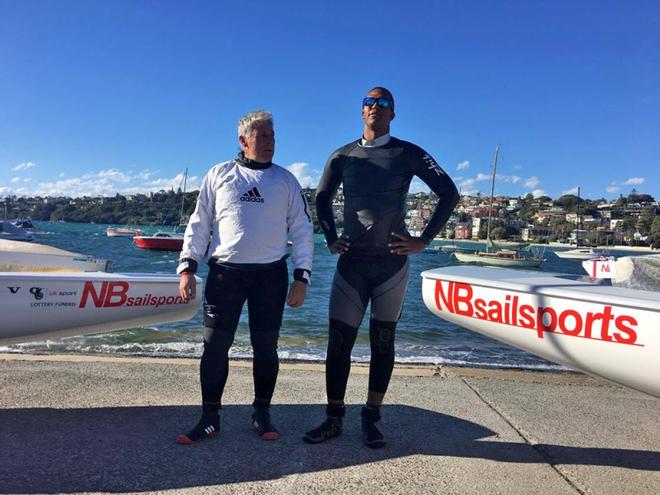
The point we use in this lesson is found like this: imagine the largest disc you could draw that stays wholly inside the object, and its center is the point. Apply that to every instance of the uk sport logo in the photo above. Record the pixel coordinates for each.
(253, 196)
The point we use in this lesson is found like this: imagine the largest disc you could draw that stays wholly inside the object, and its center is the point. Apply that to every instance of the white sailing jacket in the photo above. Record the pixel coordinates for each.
(249, 214)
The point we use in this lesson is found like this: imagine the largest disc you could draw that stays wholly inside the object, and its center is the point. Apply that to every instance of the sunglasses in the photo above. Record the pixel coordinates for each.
(381, 102)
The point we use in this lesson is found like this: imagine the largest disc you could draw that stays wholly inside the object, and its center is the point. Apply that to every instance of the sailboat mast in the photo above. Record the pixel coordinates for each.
(183, 194)
(577, 220)
(492, 193)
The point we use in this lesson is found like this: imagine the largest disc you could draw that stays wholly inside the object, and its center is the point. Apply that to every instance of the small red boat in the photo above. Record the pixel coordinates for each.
(160, 241)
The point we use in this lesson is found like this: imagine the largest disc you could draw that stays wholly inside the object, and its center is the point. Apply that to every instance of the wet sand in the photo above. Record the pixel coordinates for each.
(89, 424)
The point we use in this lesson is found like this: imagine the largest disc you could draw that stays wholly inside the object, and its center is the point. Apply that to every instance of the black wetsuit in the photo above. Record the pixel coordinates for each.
(375, 182)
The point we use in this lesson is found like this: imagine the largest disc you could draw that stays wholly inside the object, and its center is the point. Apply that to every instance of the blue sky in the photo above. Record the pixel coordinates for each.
(100, 97)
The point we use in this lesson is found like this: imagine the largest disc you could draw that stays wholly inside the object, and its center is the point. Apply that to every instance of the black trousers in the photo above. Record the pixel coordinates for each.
(227, 289)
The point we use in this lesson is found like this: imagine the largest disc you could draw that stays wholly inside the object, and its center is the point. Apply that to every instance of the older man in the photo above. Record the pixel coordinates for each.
(248, 207)
(376, 172)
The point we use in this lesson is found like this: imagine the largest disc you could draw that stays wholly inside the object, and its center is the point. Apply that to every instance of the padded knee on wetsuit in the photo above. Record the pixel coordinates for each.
(381, 337)
(341, 338)
(264, 343)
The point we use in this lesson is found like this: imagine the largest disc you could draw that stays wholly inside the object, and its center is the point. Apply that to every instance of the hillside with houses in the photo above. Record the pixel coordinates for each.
(629, 220)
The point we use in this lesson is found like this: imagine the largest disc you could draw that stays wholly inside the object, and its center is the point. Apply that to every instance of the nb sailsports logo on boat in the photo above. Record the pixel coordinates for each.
(602, 324)
(253, 196)
(115, 294)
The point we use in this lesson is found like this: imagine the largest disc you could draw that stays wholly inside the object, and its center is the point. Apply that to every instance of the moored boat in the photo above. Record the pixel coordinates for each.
(602, 330)
(25, 224)
(35, 306)
(18, 256)
(581, 254)
(492, 255)
(504, 258)
(10, 232)
(122, 232)
(161, 240)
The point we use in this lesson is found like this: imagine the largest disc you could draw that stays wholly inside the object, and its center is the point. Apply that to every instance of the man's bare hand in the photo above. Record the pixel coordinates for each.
(340, 246)
(297, 293)
(187, 287)
(406, 244)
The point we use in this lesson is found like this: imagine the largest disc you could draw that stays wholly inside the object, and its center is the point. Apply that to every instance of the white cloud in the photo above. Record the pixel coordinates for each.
(304, 174)
(531, 183)
(482, 177)
(469, 192)
(108, 183)
(634, 181)
(61, 174)
(515, 179)
(417, 185)
(23, 166)
(537, 193)
(463, 165)
(573, 191)
(467, 183)
(612, 189)
(114, 175)
(15, 179)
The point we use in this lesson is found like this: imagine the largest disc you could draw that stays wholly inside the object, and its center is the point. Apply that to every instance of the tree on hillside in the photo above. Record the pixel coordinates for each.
(645, 220)
(569, 202)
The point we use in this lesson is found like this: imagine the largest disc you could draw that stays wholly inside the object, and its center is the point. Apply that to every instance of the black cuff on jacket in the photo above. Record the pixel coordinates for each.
(187, 265)
(302, 275)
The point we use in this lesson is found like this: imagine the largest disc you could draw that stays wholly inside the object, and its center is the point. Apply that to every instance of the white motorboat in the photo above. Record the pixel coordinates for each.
(583, 253)
(18, 256)
(36, 306)
(449, 248)
(10, 232)
(122, 232)
(606, 331)
(25, 224)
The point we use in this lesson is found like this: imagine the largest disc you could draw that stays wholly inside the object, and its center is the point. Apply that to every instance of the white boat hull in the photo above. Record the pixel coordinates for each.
(21, 257)
(36, 306)
(605, 331)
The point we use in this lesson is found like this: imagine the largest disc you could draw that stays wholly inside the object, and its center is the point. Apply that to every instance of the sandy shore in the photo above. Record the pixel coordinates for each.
(81, 424)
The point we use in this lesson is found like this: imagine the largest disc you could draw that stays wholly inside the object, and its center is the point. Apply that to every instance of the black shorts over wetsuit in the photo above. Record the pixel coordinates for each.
(228, 286)
(375, 182)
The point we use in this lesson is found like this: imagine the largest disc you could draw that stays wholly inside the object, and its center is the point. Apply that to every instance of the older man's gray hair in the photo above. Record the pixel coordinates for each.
(247, 122)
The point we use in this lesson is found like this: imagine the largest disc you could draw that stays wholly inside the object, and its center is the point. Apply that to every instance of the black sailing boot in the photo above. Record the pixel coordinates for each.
(371, 436)
(330, 428)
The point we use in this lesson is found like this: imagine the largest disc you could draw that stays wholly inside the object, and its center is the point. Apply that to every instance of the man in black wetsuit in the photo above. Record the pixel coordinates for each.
(376, 172)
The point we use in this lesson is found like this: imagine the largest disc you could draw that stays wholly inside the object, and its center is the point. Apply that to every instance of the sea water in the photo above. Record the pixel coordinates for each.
(420, 337)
